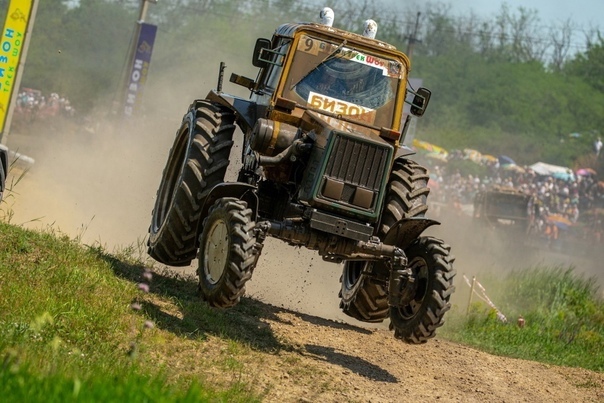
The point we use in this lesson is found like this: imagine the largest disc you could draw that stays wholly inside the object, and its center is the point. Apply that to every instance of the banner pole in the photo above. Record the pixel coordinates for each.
(471, 294)
(122, 91)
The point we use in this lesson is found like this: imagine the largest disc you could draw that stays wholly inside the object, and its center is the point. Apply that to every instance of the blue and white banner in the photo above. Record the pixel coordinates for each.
(139, 69)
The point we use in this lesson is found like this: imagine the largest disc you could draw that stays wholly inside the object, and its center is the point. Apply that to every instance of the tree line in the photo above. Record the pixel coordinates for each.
(510, 84)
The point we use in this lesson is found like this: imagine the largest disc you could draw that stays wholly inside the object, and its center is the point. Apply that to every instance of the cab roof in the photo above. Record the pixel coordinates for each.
(290, 29)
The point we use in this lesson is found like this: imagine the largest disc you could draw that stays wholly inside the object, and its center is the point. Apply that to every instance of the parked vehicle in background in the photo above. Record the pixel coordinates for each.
(505, 209)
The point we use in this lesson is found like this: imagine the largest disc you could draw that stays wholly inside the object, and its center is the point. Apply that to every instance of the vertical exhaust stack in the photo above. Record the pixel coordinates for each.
(370, 28)
(326, 16)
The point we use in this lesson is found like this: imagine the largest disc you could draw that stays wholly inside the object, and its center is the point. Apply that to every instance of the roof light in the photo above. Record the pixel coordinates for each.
(326, 16)
(370, 29)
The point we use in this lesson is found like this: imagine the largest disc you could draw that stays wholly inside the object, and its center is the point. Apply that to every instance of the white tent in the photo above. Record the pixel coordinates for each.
(541, 168)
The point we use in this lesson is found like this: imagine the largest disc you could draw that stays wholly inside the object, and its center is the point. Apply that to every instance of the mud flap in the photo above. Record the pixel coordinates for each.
(407, 230)
(242, 191)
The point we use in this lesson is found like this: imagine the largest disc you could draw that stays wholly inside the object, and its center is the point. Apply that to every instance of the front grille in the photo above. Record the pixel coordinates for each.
(355, 167)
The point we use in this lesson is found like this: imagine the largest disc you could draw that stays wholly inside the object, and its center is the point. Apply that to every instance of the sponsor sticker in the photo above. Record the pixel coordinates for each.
(339, 107)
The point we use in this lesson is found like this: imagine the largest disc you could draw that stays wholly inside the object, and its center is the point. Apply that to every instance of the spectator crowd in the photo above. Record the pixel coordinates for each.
(577, 198)
(32, 104)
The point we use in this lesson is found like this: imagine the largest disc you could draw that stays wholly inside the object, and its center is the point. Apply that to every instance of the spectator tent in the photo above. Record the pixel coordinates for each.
(559, 172)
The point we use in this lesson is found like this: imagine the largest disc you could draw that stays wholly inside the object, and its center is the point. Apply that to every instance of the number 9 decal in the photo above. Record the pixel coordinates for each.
(309, 44)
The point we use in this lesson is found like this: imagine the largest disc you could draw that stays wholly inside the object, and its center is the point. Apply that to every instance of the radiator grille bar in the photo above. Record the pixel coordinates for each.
(357, 163)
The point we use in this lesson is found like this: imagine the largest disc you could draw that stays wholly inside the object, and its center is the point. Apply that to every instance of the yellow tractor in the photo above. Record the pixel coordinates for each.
(323, 167)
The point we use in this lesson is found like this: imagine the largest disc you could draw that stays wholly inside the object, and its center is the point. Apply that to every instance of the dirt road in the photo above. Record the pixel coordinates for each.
(100, 188)
(335, 362)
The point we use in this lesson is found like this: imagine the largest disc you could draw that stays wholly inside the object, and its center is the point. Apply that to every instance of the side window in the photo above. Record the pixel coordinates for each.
(273, 71)
(272, 78)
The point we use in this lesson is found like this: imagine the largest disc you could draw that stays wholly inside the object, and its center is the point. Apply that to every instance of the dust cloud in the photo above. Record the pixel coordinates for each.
(95, 186)
(95, 177)
(96, 181)
(100, 187)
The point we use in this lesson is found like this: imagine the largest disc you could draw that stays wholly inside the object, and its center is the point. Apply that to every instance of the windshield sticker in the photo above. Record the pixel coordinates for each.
(369, 60)
(313, 46)
(339, 107)
(389, 68)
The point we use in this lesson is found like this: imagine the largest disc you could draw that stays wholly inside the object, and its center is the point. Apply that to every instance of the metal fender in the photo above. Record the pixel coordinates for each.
(404, 151)
(406, 230)
(247, 111)
(242, 191)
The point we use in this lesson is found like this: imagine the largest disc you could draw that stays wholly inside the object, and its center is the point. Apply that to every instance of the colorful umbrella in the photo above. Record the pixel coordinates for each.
(424, 145)
(472, 155)
(586, 172)
(514, 167)
(490, 158)
(438, 156)
(559, 220)
(505, 160)
(567, 176)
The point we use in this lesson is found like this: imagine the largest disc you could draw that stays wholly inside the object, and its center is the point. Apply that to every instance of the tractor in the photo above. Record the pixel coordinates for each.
(322, 166)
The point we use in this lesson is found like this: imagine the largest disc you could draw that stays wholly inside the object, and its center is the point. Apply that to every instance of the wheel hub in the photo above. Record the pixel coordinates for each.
(413, 294)
(216, 247)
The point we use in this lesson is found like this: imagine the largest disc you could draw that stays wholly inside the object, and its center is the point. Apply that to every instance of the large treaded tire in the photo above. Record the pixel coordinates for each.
(228, 252)
(361, 297)
(432, 266)
(197, 162)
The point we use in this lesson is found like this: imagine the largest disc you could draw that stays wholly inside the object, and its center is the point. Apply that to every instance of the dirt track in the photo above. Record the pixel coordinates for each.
(337, 362)
(102, 188)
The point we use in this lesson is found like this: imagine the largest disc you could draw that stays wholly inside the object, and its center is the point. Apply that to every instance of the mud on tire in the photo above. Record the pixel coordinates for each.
(197, 162)
(416, 321)
(361, 297)
(228, 252)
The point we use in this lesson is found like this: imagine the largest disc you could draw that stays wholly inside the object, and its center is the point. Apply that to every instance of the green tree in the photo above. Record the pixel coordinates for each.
(589, 66)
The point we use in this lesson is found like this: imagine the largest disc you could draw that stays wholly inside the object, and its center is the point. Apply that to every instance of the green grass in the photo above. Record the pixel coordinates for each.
(564, 318)
(68, 332)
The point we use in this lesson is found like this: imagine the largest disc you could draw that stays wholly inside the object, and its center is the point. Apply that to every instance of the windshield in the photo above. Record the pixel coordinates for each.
(331, 77)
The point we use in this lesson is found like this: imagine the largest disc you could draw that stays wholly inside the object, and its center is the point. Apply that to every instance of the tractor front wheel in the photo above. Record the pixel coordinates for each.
(228, 252)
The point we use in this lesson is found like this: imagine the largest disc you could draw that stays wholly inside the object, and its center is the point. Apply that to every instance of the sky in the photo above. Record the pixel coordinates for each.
(586, 13)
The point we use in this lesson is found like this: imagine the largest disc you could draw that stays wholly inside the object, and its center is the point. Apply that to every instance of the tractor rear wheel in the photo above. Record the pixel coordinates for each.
(197, 162)
(228, 252)
(361, 296)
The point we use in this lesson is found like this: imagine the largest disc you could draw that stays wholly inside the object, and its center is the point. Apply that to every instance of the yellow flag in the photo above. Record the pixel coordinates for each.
(11, 44)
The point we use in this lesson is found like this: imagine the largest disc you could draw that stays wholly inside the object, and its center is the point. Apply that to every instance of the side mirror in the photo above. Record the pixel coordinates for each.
(258, 59)
(420, 101)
